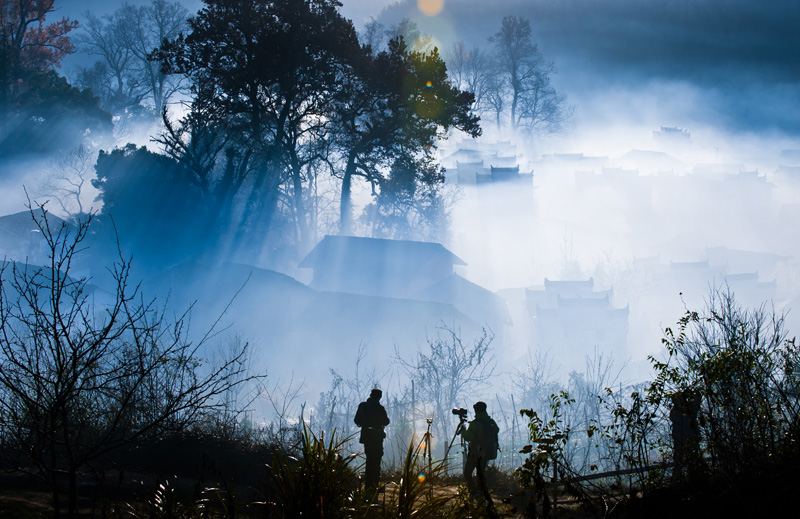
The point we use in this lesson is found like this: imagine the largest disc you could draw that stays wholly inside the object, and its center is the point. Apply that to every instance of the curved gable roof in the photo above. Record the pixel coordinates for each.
(346, 248)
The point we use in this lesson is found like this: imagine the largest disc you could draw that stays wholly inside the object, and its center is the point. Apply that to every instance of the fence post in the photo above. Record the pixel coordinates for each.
(555, 487)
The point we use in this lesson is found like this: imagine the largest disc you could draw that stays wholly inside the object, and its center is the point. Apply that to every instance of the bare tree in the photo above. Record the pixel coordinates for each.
(112, 78)
(282, 400)
(534, 103)
(495, 98)
(146, 28)
(542, 110)
(68, 181)
(406, 28)
(472, 71)
(373, 35)
(336, 407)
(82, 374)
(448, 373)
(125, 77)
(535, 382)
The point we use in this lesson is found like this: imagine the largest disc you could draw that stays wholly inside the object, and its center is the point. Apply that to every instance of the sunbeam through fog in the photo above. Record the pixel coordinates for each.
(338, 210)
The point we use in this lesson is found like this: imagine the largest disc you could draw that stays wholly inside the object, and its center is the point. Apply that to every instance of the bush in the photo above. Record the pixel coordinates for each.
(82, 375)
(744, 369)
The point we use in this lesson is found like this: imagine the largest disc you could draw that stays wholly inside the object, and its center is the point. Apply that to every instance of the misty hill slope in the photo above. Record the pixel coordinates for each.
(95, 294)
(20, 238)
(261, 301)
(335, 324)
(473, 300)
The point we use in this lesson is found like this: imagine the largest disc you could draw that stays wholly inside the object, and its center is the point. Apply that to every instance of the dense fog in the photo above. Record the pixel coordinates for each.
(677, 170)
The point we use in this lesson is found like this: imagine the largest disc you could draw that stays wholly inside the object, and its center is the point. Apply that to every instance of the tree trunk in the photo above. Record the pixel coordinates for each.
(56, 498)
(346, 201)
(299, 206)
(514, 101)
(72, 494)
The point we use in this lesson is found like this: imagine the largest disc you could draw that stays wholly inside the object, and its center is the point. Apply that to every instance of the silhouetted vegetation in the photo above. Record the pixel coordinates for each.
(39, 110)
(294, 128)
(149, 202)
(83, 375)
(742, 367)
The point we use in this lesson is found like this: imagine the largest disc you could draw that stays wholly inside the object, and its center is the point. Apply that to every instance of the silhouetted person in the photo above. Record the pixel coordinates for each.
(371, 417)
(481, 436)
(685, 432)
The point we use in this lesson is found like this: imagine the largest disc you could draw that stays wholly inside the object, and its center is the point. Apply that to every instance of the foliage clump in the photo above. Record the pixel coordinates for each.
(722, 407)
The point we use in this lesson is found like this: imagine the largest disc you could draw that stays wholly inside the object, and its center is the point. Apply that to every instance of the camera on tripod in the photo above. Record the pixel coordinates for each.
(461, 413)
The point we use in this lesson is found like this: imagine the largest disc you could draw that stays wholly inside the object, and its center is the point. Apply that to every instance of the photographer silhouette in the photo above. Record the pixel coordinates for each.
(371, 417)
(481, 435)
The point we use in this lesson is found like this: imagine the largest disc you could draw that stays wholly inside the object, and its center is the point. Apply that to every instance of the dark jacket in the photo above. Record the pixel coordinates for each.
(372, 418)
(474, 433)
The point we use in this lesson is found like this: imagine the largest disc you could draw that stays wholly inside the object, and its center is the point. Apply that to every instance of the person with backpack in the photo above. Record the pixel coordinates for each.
(481, 437)
(372, 418)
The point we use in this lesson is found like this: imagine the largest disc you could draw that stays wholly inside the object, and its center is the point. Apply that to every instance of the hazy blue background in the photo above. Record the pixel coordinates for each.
(728, 71)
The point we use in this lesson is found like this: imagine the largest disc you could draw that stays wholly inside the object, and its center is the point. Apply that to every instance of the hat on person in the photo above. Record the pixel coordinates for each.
(479, 407)
(376, 394)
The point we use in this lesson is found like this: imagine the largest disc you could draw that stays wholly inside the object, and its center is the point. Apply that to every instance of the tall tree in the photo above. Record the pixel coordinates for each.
(373, 35)
(264, 73)
(410, 204)
(397, 104)
(112, 78)
(146, 28)
(519, 58)
(406, 28)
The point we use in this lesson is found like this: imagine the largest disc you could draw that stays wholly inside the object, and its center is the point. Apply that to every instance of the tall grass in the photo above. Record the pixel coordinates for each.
(319, 482)
(418, 492)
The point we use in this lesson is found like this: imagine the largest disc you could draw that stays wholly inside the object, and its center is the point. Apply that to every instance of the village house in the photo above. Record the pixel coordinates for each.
(573, 318)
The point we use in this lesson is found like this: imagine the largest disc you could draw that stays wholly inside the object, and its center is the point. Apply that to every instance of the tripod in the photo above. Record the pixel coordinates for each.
(461, 421)
(426, 441)
(426, 453)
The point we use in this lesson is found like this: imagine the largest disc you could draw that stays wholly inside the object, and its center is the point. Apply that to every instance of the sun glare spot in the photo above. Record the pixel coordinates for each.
(429, 84)
(429, 106)
(425, 43)
(421, 478)
(430, 7)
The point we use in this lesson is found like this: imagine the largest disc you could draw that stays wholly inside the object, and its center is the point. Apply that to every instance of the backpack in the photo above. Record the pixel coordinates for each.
(489, 443)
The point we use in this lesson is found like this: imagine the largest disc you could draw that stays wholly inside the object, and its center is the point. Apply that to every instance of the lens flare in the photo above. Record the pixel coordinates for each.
(421, 477)
(428, 105)
(428, 84)
(430, 7)
(425, 43)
